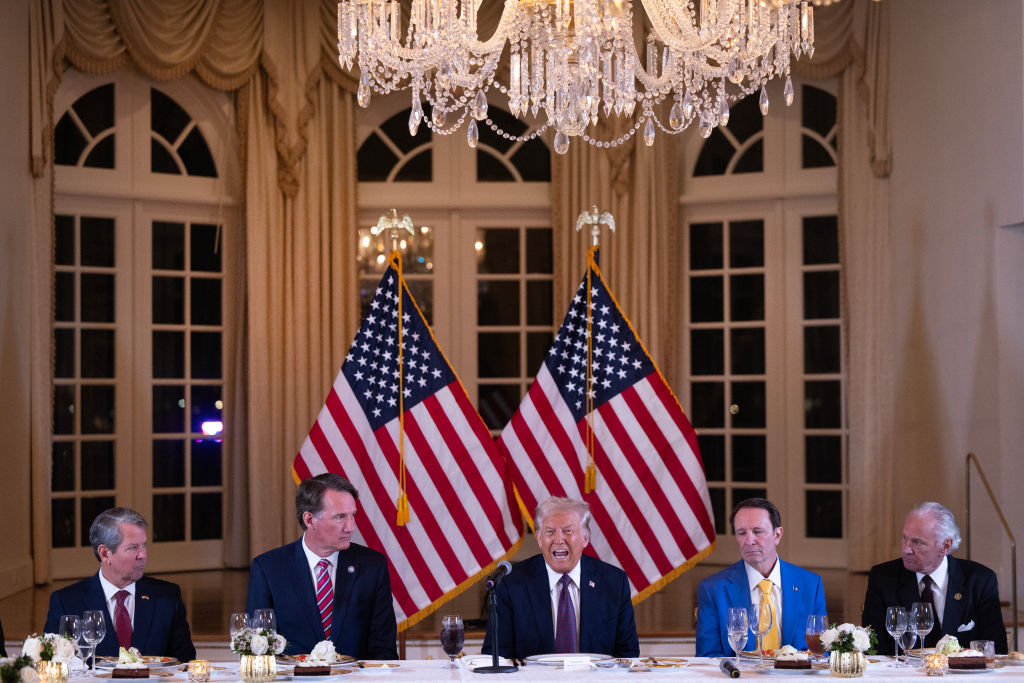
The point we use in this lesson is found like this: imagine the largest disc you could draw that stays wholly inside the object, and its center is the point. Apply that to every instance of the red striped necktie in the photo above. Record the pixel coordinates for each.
(122, 620)
(325, 595)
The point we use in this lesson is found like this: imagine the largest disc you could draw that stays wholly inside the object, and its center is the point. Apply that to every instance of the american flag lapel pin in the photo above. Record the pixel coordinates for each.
(592, 584)
(143, 597)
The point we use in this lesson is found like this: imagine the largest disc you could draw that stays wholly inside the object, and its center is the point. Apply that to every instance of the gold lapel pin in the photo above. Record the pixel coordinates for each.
(957, 596)
(143, 597)
(796, 588)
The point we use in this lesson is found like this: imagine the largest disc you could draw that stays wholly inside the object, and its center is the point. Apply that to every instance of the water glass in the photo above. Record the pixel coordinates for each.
(761, 624)
(94, 630)
(922, 620)
(237, 622)
(265, 619)
(736, 625)
(988, 648)
(896, 625)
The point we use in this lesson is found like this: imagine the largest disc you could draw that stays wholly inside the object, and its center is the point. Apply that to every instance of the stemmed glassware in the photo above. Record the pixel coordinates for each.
(453, 637)
(896, 624)
(94, 630)
(761, 624)
(265, 618)
(736, 625)
(816, 625)
(237, 622)
(921, 620)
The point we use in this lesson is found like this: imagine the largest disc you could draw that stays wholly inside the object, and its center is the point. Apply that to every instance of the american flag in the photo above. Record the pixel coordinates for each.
(651, 510)
(460, 498)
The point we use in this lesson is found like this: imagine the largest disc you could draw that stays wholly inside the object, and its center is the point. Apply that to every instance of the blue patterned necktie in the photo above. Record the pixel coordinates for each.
(565, 624)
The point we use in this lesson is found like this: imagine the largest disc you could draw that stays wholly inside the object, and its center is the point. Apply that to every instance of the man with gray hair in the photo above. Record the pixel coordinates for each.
(964, 594)
(563, 601)
(141, 612)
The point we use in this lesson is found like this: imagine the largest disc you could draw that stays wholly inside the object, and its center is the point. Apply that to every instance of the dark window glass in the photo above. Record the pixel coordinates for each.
(63, 353)
(64, 240)
(161, 160)
(95, 109)
(498, 354)
(498, 402)
(490, 169)
(168, 300)
(818, 110)
(102, 154)
(97, 298)
(821, 295)
(822, 405)
(168, 354)
(423, 292)
(705, 246)
(168, 462)
(539, 307)
(747, 352)
(68, 145)
(714, 155)
(206, 305)
(749, 457)
(533, 161)
(97, 410)
(62, 523)
(62, 474)
(706, 299)
(166, 117)
(745, 118)
(375, 159)
(821, 240)
(752, 159)
(206, 462)
(204, 406)
(742, 494)
(168, 409)
(718, 509)
(64, 409)
(749, 399)
(824, 514)
(168, 517)
(418, 169)
(507, 123)
(497, 302)
(205, 248)
(707, 352)
(98, 354)
(821, 349)
(195, 154)
(813, 155)
(537, 346)
(746, 297)
(64, 297)
(746, 244)
(500, 252)
(824, 460)
(97, 465)
(206, 516)
(712, 452)
(206, 355)
(708, 401)
(538, 251)
(97, 241)
(91, 509)
(168, 246)
(397, 130)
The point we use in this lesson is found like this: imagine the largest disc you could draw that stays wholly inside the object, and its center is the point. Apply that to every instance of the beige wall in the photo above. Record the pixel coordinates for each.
(958, 295)
(15, 246)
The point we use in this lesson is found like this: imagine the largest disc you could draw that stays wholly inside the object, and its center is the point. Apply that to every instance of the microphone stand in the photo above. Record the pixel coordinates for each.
(492, 626)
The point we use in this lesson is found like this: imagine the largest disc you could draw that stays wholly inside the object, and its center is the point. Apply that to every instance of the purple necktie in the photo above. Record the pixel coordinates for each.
(565, 624)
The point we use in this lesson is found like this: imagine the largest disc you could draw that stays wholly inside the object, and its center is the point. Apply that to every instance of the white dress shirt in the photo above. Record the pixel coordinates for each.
(754, 577)
(110, 591)
(940, 581)
(556, 592)
(313, 559)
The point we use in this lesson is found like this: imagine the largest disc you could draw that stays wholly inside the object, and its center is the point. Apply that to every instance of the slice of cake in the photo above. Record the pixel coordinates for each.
(319, 661)
(967, 659)
(130, 665)
(788, 657)
(312, 669)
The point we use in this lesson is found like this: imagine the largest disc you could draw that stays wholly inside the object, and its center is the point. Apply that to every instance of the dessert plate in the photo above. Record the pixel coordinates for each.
(152, 674)
(473, 661)
(343, 660)
(663, 663)
(334, 675)
(559, 658)
(151, 661)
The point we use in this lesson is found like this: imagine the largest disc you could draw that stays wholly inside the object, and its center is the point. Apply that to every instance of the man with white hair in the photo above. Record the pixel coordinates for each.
(563, 601)
(965, 594)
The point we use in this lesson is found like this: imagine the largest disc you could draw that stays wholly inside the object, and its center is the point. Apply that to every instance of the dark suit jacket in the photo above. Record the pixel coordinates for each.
(3, 649)
(160, 626)
(972, 601)
(802, 595)
(524, 618)
(363, 624)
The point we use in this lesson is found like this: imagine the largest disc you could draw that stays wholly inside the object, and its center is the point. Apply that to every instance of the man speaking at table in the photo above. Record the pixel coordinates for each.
(141, 612)
(794, 593)
(323, 586)
(563, 601)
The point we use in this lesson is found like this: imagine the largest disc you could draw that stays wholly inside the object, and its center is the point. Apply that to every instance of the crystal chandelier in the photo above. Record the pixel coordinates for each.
(572, 62)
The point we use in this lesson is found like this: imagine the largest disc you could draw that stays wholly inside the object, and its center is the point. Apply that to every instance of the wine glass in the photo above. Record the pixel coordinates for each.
(922, 620)
(265, 619)
(237, 622)
(94, 630)
(453, 637)
(896, 625)
(736, 625)
(761, 624)
(907, 641)
(70, 627)
(816, 625)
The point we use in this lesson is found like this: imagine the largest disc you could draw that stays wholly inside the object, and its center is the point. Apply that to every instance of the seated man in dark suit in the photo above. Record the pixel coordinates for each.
(965, 594)
(795, 593)
(141, 612)
(323, 586)
(562, 600)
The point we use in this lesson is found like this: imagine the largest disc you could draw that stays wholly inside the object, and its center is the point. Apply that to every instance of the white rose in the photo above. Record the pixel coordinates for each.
(847, 628)
(861, 640)
(828, 636)
(63, 649)
(258, 644)
(28, 675)
(279, 643)
(32, 647)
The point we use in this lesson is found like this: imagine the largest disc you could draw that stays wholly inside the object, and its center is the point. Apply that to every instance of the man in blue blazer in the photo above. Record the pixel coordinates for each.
(539, 612)
(323, 586)
(965, 594)
(150, 612)
(795, 593)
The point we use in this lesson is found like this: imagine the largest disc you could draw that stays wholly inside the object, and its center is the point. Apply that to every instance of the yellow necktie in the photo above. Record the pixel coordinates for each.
(771, 640)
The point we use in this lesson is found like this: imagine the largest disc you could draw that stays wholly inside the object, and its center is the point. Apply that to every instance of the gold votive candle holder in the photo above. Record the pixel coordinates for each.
(199, 670)
(936, 664)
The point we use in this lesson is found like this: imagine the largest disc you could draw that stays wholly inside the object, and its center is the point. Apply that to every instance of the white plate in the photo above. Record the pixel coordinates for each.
(473, 661)
(665, 663)
(335, 675)
(969, 671)
(376, 667)
(1006, 661)
(790, 672)
(151, 661)
(559, 658)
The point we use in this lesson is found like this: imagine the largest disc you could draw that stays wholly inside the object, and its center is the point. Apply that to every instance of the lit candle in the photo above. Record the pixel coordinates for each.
(199, 670)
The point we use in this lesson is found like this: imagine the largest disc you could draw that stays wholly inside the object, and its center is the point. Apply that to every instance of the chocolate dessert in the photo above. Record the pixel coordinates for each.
(792, 663)
(313, 670)
(143, 672)
(956, 662)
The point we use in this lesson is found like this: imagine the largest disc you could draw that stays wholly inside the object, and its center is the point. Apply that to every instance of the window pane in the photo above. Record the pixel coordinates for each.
(706, 299)
(97, 465)
(821, 240)
(168, 354)
(64, 409)
(168, 246)
(397, 130)
(97, 298)
(98, 353)
(500, 253)
(206, 248)
(206, 462)
(537, 346)
(168, 409)
(64, 297)
(96, 109)
(102, 155)
(822, 405)
(490, 169)
(714, 155)
(204, 406)
(824, 460)
(533, 161)
(707, 352)
(747, 352)
(538, 251)
(168, 517)
(62, 473)
(814, 154)
(746, 244)
(195, 154)
(705, 246)
(821, 295)
(818, 110)
(206, 306)
(97, 410)
(206, 516)
(63, 353)
(749, 457)
(418, 169)
(821, 349)
(375, 159)
(166, 116)
(824, 514)
(712, 452)
(168, 462)
(168, 300)
(742, 494)
(91, 508)
(718, 509)
(423, 292)
(97, 241)
(68, 141)
(498, 402)
(498, 354)
(748, 402)
(64, 240)
(708, 401)
(62, 526)
(497, 302)
(746, 297)
(539, 306)
(206, 355)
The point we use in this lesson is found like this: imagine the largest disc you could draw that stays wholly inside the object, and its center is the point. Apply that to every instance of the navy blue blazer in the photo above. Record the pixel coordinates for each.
(802, 594)
(971, 612)
(160, 626)
(525, 622)
(363, 624)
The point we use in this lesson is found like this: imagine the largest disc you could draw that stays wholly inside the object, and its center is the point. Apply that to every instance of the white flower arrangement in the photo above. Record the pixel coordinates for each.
(323, 652)
(49, 647)
(258, 642)
(18, 670)
(848, 638)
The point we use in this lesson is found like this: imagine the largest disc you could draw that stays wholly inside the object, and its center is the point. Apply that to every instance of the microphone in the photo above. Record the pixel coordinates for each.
(728, 668)
(497, 575)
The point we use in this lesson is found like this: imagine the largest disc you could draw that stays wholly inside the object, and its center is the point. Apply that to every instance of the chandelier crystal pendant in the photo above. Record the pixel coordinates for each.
(571, 63)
